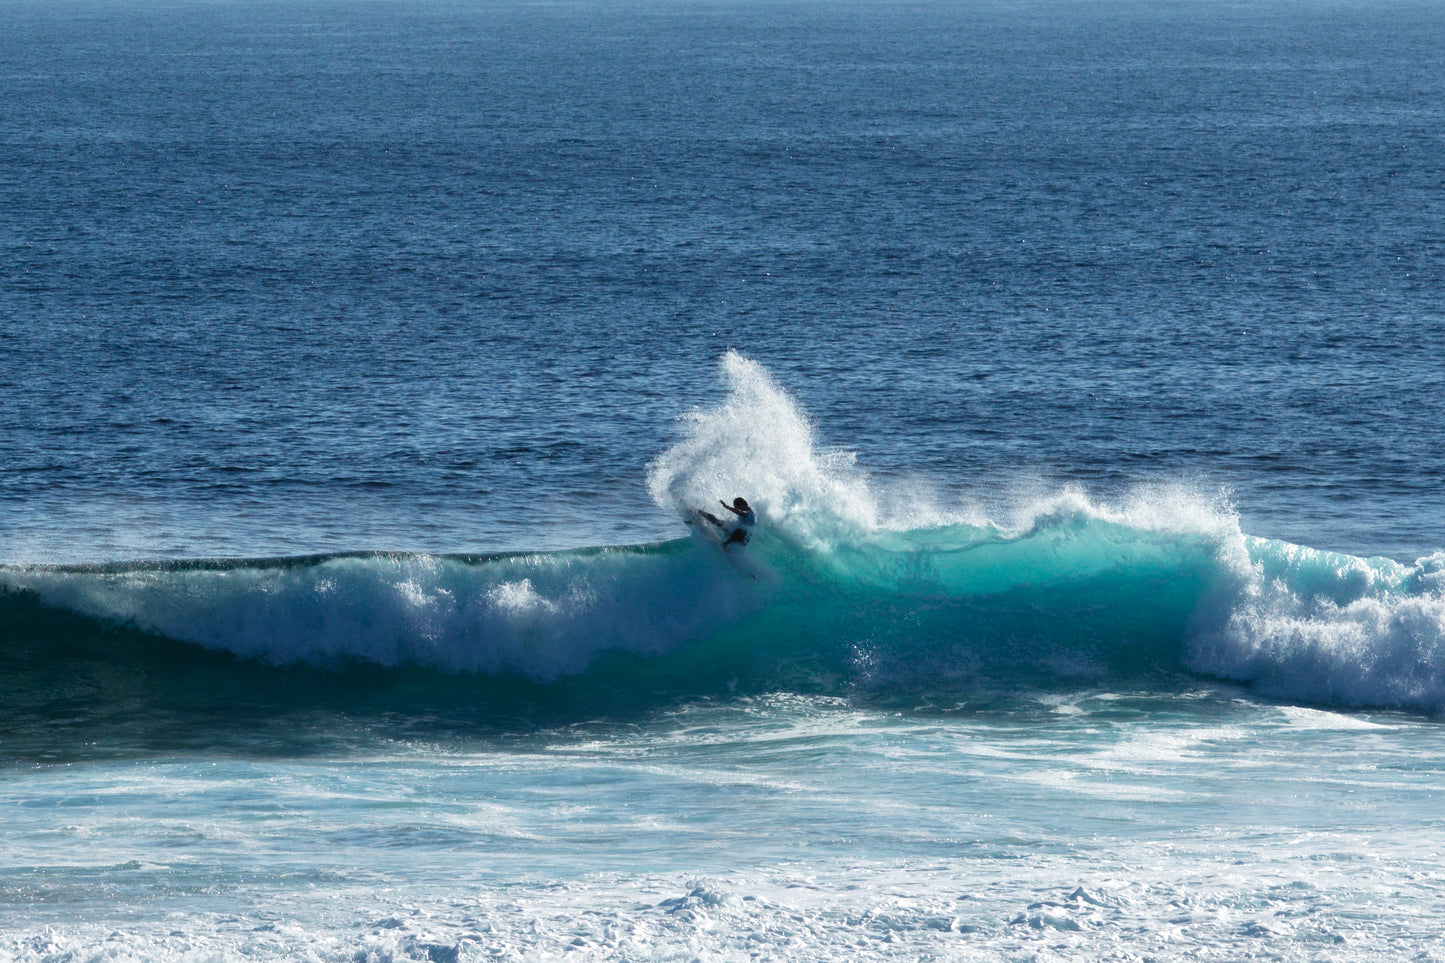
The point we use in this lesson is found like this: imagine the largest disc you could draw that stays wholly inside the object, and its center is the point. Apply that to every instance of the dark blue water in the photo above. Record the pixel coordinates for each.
(304, 276)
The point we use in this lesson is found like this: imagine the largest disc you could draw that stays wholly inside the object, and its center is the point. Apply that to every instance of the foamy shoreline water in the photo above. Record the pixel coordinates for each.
(755, 833)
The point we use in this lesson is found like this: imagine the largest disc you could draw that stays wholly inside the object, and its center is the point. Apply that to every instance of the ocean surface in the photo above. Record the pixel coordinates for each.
(362, 363)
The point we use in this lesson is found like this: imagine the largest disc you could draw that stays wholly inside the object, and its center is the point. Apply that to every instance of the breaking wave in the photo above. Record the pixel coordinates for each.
(837, 589)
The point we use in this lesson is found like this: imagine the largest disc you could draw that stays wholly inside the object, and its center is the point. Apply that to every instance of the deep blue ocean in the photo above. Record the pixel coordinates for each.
(362, 364)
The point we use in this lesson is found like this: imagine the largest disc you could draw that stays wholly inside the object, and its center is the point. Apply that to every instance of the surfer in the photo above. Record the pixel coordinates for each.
(737, 531)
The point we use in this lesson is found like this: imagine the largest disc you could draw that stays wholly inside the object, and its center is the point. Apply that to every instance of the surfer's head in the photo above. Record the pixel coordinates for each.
(741, 504)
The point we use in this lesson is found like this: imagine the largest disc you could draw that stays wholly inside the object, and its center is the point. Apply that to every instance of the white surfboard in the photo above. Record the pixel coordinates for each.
(737, 555)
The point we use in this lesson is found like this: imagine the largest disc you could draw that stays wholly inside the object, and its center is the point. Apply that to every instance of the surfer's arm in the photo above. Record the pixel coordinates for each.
(729, 507)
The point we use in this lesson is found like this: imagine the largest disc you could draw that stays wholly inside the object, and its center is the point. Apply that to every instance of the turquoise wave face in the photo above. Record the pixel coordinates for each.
(1081, 596)
(837, 592)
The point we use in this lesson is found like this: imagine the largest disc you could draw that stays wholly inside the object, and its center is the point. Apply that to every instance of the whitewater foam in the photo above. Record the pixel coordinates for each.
(1321, 627)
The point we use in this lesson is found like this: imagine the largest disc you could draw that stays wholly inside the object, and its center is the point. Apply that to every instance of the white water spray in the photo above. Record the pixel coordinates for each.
(757, 444)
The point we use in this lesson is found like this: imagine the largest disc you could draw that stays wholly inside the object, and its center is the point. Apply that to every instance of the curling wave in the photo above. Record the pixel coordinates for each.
(835, 591)
(1079, 596)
